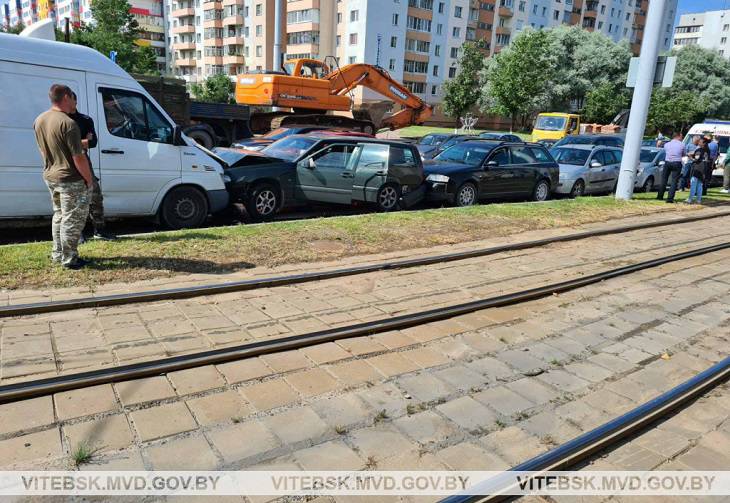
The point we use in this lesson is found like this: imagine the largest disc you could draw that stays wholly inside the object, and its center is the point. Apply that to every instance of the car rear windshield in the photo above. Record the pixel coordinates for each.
(573, 156)
(647, 156)
(472, 155)
(278, 133)
(546, 123)
(433, 139)
(289, 148)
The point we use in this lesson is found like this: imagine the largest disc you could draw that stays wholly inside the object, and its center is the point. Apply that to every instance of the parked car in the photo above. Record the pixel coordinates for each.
(591, 139)
(431, 142)
(454, 140)
(587, 169)
(648, 142)
(147, 166)
(500, 137)
(649, 172)
(261, 142)
(337, 132)
(477, 170)
(300, 169)
(547, 143)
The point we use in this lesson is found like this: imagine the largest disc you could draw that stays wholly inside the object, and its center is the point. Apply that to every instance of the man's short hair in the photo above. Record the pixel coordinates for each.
(677, 134)
(73, 95)
(57, 92)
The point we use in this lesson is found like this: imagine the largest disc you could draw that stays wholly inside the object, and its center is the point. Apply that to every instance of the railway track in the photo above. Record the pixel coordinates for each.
(41, 387)
(253, 284)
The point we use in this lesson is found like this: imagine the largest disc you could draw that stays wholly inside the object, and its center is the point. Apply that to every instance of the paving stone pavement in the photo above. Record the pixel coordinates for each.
(450, 395)
(67, 342)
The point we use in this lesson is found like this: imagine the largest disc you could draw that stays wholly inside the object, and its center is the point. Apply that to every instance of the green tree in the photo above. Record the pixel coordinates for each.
(15, 29)
(514, 80)
(215, 89)
(461, 93)
(673, 110)
(583, 61)
(604, 102)
(115, 29)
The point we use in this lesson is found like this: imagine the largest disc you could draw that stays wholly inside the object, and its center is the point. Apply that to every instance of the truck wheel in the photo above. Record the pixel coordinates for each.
(263, 202)
(184, 208)
(203, 137)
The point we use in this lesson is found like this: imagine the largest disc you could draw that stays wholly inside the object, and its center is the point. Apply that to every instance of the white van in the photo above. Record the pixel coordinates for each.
(147, 167)
(720, 129)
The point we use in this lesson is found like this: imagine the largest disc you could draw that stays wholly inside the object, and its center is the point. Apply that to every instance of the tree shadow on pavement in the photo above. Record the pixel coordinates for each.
(171, 264)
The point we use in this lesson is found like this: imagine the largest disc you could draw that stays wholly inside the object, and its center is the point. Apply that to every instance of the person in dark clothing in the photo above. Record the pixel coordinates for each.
(700, 160)
(710, 164)
(95, 224)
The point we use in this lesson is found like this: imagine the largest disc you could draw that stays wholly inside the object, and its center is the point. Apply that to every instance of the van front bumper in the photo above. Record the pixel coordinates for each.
(218, 200)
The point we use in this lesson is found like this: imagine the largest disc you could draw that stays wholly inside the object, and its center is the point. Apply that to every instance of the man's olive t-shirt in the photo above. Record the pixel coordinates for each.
(59, 139)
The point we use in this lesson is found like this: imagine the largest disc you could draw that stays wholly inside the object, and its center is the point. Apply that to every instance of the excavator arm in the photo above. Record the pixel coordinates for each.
(415, 110)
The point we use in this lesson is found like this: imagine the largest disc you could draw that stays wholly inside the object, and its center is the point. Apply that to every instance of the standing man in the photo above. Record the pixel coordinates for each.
(96, 201)
(726, 175)
(674, 151)
(687, 168)
(714, 149)
(67, 174)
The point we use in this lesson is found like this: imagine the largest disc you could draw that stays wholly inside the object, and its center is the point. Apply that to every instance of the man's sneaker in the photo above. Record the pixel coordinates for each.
(670, 201)
(104, 236)
(725, 191)
(76, 264)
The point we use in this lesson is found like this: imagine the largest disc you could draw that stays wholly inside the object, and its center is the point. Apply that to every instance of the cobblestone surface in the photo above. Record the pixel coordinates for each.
(67, 342)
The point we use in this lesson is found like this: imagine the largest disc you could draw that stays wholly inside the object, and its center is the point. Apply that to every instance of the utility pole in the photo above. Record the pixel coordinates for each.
(278, 30)
(641, 99)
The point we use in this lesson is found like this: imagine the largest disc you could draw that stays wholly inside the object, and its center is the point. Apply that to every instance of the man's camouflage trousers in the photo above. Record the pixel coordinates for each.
(70, 211)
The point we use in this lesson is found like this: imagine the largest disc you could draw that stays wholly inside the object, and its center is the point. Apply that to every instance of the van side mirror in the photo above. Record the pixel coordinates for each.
(661, 163)
(177, 139)
(596, 164)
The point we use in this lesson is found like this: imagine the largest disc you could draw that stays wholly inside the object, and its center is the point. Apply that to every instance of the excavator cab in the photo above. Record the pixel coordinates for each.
(307, 68)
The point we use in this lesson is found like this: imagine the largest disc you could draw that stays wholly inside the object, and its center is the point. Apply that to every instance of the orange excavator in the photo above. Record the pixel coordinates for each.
(310, 89)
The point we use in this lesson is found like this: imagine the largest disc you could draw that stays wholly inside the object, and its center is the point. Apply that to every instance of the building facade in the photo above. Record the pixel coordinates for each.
(710, 30)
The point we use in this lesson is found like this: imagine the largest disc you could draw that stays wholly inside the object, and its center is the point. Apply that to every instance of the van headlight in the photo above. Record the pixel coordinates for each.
(438, 178)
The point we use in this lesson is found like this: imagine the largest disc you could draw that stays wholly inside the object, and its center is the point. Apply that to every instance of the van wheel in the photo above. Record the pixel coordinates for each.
(388, 198)
(263, 202)
(542, 191)
(184, 208)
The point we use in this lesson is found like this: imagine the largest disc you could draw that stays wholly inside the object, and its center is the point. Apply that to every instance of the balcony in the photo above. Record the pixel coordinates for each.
(591, 8)
(183, 46)
(503, 30)
(228, 20)
(186, 28)
(307, 48)
(185, 62)
(233, 60)
(232, 2)
(212, 5)
(213, 60)
(505, 12)
(213, 42)
(213, 23)
(183, 12)
(234, 40)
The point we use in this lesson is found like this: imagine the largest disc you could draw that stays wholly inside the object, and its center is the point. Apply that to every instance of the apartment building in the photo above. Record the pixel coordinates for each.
(710, 30)
(148, 13)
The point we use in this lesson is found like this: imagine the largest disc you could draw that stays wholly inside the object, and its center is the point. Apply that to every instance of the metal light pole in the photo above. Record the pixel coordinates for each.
(278, 30)
(641, 99)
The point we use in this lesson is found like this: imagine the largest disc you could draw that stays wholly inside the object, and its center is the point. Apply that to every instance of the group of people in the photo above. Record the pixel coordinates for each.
(696, 173)
(64, 137)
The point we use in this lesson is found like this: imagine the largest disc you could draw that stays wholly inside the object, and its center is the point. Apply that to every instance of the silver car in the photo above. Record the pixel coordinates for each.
(587, 169)
(649, 172)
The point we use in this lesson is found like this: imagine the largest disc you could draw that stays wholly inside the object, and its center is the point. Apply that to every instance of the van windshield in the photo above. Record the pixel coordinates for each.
(547, 123)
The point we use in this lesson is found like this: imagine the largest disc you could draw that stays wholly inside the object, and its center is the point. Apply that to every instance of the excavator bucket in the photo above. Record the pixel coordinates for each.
(372, 111)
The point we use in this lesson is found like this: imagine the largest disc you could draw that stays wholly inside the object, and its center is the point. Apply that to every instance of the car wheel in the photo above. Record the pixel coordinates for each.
(263, 202)
(648, 184)
(388, 198)
(466, 195)
(542, 191)
(579, 188)
(184, 208)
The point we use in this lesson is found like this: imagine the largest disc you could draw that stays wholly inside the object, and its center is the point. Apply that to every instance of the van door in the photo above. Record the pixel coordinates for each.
(136, 156)
(23, 193)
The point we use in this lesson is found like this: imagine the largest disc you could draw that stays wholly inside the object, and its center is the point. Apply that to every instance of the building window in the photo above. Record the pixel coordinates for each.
(600, 24)
(457, 12)
(456, 32)
(391, 64)
(544, 11)
(351, 60)
(353, 38)
(303, 16)
(556, 15)
(393, 41)
(418, 46)
(442, 5)
(454, 52)
(303, 37)
(435, 70)
(259, 51)
(395, 19)
(502, 39)
(603, 9)
(259, 30)
(534, 9)
(421, 4)
(354, 15)
(418, 24)
(339, 17)
(452, 72)
(723, 40)
(259, 9)
(437, 51)
(521, 6)
(338, 40)
(439, 29)
(411, 66)
(434, 90)
(416, 87)
(726, 27)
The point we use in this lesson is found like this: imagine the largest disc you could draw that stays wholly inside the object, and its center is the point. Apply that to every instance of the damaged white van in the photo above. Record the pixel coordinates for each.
(147, 167)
